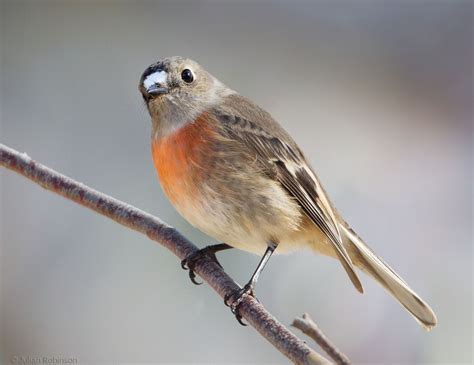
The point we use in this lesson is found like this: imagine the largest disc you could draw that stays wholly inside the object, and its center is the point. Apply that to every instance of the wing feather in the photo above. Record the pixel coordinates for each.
(287, 164)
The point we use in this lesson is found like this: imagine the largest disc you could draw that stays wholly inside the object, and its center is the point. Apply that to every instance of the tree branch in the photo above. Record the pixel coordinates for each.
(251, 310)
(309, 328)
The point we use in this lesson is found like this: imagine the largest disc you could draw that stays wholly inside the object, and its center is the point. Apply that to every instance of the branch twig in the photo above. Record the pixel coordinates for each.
(253, 312)
(309, 328)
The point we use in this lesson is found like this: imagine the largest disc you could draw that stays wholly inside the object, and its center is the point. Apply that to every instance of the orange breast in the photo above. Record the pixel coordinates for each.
(180, 158)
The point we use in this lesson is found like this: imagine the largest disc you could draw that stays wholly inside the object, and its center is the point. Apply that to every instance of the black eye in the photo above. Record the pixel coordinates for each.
(187, 76)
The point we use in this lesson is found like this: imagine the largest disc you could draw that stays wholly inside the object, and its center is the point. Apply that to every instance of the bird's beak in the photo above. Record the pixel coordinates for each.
(157, 89)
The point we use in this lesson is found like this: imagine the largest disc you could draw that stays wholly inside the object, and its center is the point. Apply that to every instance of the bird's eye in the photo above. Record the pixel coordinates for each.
(187, 76)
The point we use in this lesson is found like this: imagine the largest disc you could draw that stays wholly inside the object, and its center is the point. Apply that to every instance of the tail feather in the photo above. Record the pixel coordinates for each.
(368, 261)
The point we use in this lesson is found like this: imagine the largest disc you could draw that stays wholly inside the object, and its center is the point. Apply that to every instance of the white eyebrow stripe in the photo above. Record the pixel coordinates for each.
(158, 77)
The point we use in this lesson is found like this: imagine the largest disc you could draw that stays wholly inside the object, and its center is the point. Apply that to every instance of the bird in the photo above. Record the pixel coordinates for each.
(231, 170)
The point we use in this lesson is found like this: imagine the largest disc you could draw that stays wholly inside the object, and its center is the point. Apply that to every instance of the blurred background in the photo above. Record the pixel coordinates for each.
(377, 93)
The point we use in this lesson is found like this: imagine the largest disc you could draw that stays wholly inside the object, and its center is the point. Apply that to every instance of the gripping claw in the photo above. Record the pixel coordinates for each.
(237, 298)
(189, 263)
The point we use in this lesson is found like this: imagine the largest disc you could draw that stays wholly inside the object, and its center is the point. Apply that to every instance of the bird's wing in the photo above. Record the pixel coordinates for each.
(286, 163)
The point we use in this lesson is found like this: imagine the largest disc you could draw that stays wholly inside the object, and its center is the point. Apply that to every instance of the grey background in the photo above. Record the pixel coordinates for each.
(377, 93)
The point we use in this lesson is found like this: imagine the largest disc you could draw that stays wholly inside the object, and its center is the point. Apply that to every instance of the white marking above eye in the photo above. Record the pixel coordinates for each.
(158, 77)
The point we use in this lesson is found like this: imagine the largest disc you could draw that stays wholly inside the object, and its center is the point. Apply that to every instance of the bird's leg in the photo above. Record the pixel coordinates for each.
(210, 251)
(248, 289)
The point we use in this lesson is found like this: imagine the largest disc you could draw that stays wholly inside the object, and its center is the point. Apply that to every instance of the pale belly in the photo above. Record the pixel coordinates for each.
(248, 219)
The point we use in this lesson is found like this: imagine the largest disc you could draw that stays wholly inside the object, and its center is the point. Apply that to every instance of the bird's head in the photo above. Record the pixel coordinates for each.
(176, 90)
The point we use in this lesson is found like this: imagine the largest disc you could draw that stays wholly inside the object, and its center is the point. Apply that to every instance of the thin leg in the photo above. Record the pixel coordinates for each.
(210, 251)
(248, 289)
(261, 265)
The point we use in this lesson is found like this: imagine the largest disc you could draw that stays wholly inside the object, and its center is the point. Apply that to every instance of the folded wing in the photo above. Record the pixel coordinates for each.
(286, 163)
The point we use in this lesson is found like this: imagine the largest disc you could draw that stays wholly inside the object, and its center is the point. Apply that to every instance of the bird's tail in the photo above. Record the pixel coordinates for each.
(364, 258)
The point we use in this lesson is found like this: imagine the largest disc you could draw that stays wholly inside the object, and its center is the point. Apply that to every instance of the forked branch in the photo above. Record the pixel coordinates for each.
(306, 325)
(252, 311)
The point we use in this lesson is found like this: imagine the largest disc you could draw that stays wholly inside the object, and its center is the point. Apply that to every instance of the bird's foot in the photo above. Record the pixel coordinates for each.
(235, 299)
(189, 263)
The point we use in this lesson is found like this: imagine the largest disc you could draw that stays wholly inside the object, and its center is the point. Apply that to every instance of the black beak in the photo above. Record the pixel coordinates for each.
(157, 89)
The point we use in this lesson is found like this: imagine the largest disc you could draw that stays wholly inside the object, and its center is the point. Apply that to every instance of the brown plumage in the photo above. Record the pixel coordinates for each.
(232, 171)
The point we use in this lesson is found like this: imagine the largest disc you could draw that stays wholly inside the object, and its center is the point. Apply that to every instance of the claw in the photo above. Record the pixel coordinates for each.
(192, 276)
(188, 264)
(239, 295)
(226, 300)
(238, 317)
(190, 261)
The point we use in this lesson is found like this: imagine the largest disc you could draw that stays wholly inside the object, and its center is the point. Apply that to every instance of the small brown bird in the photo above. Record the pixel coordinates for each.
(232, 171)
